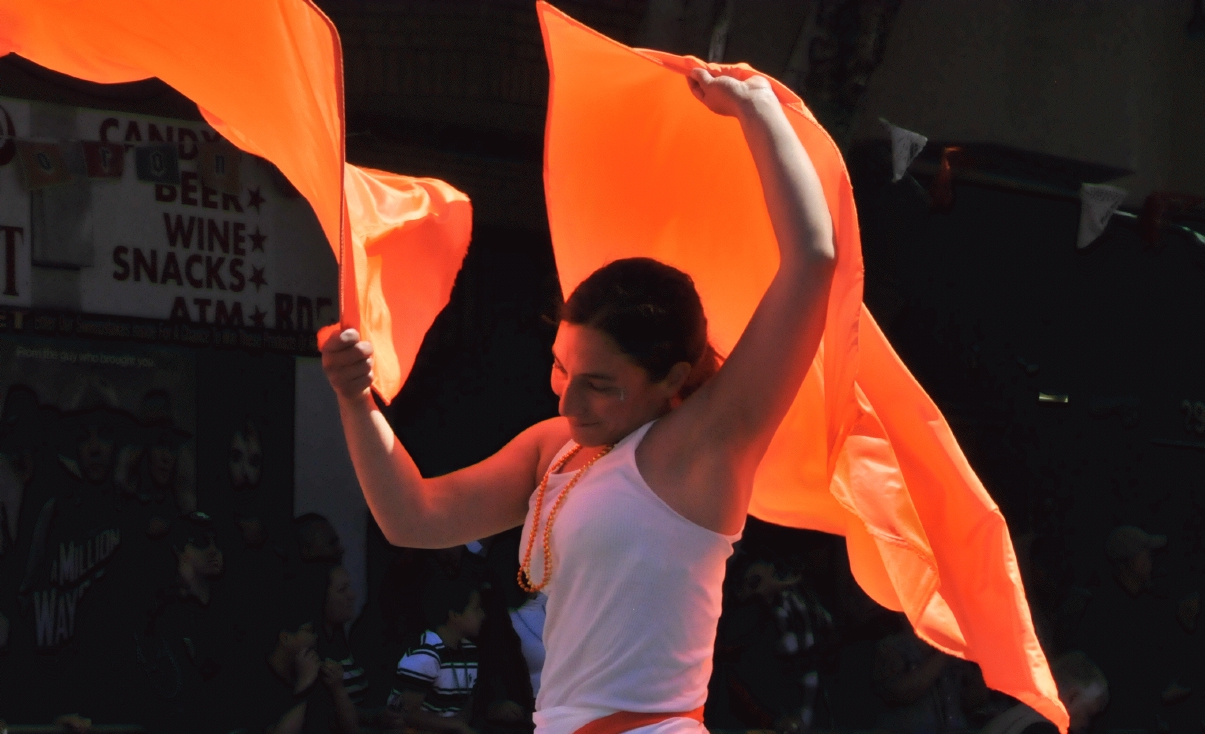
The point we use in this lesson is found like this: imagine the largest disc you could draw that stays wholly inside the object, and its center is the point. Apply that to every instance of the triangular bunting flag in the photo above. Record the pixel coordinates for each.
(1098, 202)
(43, 164)
(905, 147)
(218, 165)
(157, 163)
(104, 160)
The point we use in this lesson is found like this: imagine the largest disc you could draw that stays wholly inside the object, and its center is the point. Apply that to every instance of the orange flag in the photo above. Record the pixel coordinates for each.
(634, 165)
(409, 236)
(269, 77)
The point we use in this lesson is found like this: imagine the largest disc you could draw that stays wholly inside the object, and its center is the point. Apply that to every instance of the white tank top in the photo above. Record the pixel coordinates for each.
(634, 599)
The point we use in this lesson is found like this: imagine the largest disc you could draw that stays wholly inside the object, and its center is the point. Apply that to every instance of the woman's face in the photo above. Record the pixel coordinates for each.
(603, 393)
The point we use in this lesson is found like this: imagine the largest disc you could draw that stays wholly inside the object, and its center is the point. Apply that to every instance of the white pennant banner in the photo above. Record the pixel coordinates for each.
(905, 147)
(1098, 203)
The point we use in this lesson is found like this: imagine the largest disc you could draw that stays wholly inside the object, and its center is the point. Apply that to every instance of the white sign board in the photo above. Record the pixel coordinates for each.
(251, 254)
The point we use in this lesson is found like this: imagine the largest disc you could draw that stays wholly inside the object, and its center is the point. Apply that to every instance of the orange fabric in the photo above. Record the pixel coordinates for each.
(635, 166)
(269, 77)
(409, 236)
(624, 721)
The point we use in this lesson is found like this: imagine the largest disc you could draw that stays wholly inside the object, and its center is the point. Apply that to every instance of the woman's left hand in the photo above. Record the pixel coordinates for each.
(726, 95)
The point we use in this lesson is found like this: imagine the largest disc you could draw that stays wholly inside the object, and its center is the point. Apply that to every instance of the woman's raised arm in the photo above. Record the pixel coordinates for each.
(439, 512)
(727, 425)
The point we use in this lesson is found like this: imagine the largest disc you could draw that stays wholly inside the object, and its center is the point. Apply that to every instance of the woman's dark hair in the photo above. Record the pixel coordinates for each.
(652, 312)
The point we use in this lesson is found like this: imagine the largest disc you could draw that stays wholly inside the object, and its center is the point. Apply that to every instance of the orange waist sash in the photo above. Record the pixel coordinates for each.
(624, 721)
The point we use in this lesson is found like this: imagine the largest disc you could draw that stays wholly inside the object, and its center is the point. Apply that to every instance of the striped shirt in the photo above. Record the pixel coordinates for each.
(444, 675)
(355, 679)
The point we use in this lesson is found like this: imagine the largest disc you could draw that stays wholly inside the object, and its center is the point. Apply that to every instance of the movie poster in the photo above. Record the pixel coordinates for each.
(97, 459)
(145, 525)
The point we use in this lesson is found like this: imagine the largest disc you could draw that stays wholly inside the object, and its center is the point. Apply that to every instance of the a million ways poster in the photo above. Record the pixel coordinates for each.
(113, 458)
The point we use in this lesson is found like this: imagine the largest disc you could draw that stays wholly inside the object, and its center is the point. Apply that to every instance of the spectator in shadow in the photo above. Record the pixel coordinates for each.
(436, 677)
(925, 690)
(528, 623)
(1056, 604)
(401, 599)
(776, 679)
(1083, 689)
(1130, 552)
(504, 701)
(193, 625)
(317, 540)
(338, 611)
(292, 690)
(23, 423)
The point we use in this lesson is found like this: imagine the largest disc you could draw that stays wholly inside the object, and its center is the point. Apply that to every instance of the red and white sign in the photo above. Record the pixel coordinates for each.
(242, 254)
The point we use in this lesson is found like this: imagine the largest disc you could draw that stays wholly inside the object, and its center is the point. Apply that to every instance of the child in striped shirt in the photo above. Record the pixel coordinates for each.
(435, 678)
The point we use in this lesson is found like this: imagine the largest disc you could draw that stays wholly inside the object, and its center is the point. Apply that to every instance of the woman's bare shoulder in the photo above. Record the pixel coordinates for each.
(550, 436)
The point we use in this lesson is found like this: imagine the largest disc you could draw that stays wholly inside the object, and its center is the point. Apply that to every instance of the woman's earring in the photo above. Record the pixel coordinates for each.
(623, 394)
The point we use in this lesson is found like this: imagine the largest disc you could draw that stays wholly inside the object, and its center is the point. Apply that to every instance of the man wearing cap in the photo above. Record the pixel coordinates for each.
(198, 627)
(1129, 550)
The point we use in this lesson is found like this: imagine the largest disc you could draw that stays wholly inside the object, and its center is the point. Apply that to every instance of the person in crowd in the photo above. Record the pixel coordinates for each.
(23, 429)
(806, 636)
(655, 451)
(1083, 689)
(528, 622)
(503, 700)
(338, 611)
(317, 539)
(1129, 550)
(22, 435)
(196, 626)
(72, 566)
(1056, 603)
(925, 690)
(291, 670)
(401, 599)
(292, 690)
(436, 677)
(775, 655)
(199, 561)
(158, 466)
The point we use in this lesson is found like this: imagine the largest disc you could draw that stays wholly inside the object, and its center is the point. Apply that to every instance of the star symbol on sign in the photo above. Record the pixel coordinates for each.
(257, 240)
(257, 277)
(257, 317)
(254, 199)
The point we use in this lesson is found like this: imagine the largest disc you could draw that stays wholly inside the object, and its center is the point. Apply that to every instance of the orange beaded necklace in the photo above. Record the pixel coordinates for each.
(524, 578)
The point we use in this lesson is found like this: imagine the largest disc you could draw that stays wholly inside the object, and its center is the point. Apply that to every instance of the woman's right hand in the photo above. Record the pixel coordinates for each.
(347, 361)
